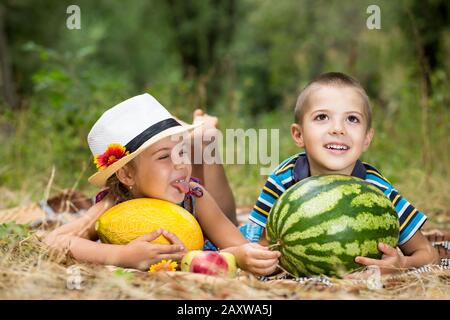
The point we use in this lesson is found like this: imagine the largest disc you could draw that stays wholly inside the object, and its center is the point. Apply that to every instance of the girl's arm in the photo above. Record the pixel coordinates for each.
(225, 235)
(212, 174)
(79, 236)
(84, 227)
(215, 180)
(216, 226)
(138, 254)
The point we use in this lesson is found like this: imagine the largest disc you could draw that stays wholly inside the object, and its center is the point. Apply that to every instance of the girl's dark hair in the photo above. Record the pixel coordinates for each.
(117, 189)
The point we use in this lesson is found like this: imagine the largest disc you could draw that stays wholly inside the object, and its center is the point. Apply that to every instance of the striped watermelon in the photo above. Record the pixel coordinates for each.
(322, 223)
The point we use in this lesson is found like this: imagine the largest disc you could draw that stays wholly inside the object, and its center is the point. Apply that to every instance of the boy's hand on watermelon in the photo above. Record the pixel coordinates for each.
(140, 253)
(257, 259)
(391, 260)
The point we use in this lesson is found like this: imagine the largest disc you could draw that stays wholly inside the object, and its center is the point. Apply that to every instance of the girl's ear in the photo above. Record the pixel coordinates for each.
(368, 139)
(297, 135)
(125, 175)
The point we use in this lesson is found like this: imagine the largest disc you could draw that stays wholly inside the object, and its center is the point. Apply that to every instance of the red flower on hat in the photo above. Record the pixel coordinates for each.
(114, 152)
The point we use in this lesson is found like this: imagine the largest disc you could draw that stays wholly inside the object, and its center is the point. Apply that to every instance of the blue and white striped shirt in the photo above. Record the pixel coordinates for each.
(296, 168)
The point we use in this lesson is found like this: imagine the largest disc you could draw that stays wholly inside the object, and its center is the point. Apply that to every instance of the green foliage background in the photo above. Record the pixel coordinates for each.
(244, 61)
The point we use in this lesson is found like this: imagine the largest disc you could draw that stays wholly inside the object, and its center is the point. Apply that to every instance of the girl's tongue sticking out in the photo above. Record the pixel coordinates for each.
(181, 185)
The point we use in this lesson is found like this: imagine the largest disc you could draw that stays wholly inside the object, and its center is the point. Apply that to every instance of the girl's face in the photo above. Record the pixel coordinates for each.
(158, 174)
(333, 130)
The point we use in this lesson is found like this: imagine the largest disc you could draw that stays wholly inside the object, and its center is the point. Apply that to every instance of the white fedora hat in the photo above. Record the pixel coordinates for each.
(127, 129)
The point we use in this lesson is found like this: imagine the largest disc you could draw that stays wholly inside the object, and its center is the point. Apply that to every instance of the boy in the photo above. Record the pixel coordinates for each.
(333, 125)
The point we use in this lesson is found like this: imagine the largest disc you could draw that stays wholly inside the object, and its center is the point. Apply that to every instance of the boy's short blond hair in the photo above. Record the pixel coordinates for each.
(336, 79)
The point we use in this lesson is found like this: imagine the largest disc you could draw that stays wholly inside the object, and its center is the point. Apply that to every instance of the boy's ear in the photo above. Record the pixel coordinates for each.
(125, 176)
(297, 135)
(368, 138)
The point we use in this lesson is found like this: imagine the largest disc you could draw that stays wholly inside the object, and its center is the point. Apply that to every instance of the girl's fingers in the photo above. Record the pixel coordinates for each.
(167, 248)
(193, 184)
(172, 238)
(264, 271)
(150, 236)
(263, 264)
(171, 256)
(265, 254)
(197, 113)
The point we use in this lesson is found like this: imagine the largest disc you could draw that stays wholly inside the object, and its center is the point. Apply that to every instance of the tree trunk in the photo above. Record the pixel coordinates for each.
(7, 85)
(424, 91)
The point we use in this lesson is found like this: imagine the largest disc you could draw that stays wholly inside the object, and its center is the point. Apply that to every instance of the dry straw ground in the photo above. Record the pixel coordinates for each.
(28, 270)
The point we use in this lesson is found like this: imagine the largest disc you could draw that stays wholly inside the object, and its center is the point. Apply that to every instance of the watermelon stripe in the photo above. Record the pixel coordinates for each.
(307, 197)
(306, 223)
(294, 265)
(325, 263)
(363, 221)
(315, 269)
(319, 185)
(370, 236)
(348, 252)
(297, 267)
(301, 254)
(370, 200)
(322, 203)
(345, 258)
(280, 212)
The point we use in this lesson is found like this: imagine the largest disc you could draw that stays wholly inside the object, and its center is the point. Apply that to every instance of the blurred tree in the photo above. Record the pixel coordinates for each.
(7, 84)
(202, 29)
(26, 21)
(425, 23)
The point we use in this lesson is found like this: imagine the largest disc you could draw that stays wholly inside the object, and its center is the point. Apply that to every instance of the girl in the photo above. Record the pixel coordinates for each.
(137, 156)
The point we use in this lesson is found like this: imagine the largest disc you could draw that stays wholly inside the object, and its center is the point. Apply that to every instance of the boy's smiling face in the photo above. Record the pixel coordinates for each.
(333, 130)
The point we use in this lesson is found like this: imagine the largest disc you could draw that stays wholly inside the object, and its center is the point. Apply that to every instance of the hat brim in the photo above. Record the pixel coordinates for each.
(99, 178)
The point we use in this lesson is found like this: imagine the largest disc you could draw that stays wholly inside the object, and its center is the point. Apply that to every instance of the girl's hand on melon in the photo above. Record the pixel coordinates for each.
(257, 259)
(391, 260)
(140, 253)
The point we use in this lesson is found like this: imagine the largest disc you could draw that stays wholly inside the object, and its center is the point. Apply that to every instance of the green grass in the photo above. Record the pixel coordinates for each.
(36, 142)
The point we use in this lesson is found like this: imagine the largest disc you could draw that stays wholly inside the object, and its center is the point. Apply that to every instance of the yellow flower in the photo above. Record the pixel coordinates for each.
(164, 265)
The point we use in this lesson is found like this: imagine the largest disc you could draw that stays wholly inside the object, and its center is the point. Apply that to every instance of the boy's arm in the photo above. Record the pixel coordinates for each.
(416, 248)
(419, 251)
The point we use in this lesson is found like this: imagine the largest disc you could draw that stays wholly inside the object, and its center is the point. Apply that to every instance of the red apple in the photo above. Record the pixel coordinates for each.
(209, 262)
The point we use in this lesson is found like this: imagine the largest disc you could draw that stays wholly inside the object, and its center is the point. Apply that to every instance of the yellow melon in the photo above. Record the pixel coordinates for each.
(131, 219)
